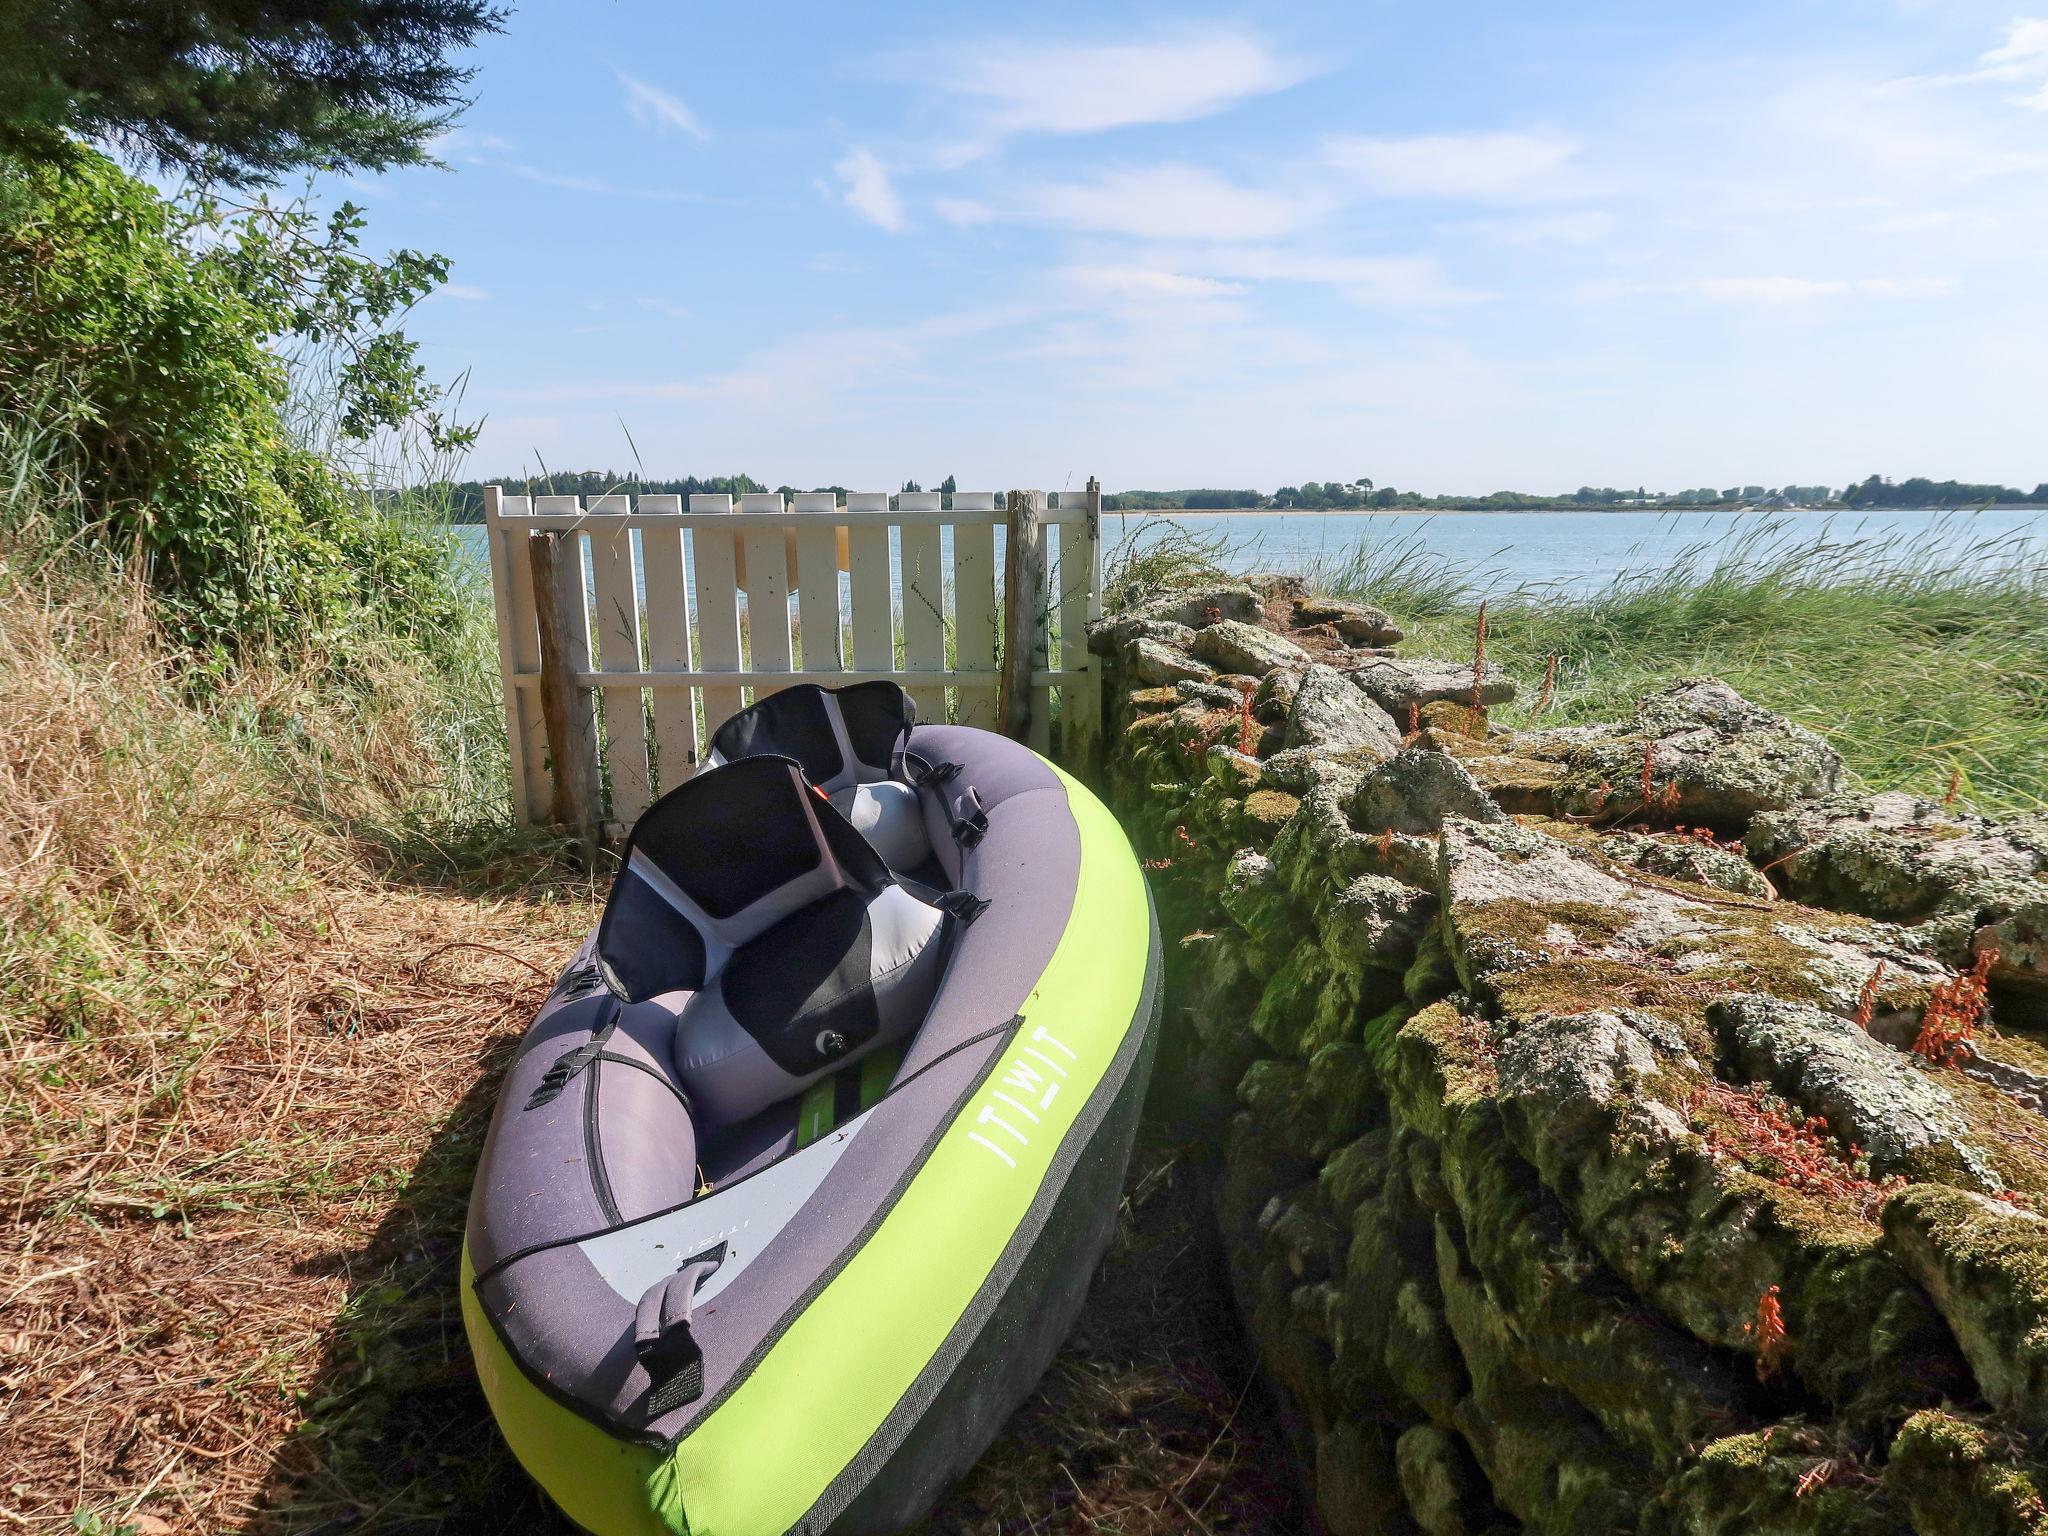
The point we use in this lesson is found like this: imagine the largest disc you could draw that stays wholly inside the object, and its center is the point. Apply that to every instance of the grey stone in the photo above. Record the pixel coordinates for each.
(1871, 1095)
(1203, 605)
(1686, 858)
(1236, 771)
(1328, 712)
(1375, 921)
(1396, 682)
(1727, 759)
(1888, 855)
(1234, 646)
(1415, 791)
(1358, 623)
(1157, 664)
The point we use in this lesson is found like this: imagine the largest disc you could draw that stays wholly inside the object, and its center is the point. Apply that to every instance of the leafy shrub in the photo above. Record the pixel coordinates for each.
(142, 334)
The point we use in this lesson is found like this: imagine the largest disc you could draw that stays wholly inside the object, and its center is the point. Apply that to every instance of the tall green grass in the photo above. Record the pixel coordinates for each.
(1919, 657)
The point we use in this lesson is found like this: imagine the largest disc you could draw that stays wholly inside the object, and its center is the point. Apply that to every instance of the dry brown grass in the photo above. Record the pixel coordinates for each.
(248, 1047)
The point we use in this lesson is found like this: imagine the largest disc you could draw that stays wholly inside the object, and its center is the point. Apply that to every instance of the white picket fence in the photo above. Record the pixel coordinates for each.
(665, 637)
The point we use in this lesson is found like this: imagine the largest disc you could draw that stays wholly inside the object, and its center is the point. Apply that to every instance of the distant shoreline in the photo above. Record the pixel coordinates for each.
(1709, 511)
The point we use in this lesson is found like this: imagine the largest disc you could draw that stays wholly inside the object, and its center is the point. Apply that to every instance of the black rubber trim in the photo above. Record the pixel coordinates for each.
(652, 1071)
(593, 1152)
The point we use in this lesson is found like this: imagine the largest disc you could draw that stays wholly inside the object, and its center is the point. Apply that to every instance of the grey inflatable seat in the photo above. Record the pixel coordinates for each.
(849, 742)
(748, 889)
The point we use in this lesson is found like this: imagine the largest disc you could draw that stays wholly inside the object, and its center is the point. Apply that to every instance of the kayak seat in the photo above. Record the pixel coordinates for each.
(747, 889)
(821, 988)
(849, 742)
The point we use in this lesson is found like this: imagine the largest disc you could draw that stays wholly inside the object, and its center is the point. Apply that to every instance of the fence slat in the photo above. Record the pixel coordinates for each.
(572, 613)
(616, 626)
(518, 655)
(974, 607)
(874, 629)
(924, 602)
(718, 611)
(1080, 705)
(767, 582)
(668, 644)
(1039, 739)
(817, 583)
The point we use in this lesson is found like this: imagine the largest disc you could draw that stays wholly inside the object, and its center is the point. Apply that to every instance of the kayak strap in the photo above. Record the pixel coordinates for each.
(662, 1341)
(569, 1063)
(970, 818)
(926, 775)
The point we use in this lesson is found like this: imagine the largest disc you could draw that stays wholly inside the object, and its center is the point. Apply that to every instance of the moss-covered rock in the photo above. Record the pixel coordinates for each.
(1985, 1263)
(1956, 1477)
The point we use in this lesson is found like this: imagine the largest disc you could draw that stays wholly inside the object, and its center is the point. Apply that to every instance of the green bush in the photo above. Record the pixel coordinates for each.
(141, 334)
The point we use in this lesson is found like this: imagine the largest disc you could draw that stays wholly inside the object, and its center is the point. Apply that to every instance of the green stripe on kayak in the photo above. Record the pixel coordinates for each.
(814, 1113)
(757, 1463)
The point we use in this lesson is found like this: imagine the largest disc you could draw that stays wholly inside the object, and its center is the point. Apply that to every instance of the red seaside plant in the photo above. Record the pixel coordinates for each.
(1953, 1013)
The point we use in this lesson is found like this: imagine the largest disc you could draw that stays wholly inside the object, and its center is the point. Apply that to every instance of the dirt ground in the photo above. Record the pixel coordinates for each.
(227, 1297)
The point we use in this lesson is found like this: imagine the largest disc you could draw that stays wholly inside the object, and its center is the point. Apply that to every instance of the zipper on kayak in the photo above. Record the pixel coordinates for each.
(593, 1146)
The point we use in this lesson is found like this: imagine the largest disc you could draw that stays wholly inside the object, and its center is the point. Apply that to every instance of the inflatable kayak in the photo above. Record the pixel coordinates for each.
(799, 1178)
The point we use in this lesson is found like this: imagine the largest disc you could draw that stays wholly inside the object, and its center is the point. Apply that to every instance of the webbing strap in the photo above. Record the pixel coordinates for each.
(662, 1341)
(569, 1063)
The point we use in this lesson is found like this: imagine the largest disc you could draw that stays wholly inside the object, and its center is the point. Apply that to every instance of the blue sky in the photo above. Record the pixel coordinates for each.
(1453, 247)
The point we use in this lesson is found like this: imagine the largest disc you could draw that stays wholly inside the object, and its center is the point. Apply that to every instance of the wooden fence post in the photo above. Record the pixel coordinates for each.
(572, 751)
(1023, 613)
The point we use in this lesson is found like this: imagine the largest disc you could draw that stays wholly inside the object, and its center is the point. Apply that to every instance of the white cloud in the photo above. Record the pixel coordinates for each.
(1065, 87)
(465, 292)
(1387, 282)
(1462, 167)
(659, 111)
(1148, 283)
(1781, 291)
(2023, 57)
(665, 307)
(1587, 228)
(869, 191)
(1171, 202)
(963, 211)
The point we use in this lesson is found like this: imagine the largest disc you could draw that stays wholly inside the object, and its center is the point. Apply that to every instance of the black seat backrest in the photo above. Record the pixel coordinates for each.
(840, 736)
(719, 859)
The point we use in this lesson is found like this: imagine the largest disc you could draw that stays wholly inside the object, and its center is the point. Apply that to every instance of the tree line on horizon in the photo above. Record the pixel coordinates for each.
(464, 499)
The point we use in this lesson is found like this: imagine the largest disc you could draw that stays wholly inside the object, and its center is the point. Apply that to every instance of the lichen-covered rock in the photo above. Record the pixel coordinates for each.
(1686, 858)
(1238, 772)
(1985, 1263)
(1888, 1102)
(1533, 1201)
(1889, 855)
(1159, 664)
(1234, 646)
(1375, 921)
(1396, 683)
(1327, 711)
(1966, 886)
(1416, 791)
(1192, 609)
(1709, 756)
(1358, 623)
(1953, 1477)
(1604, 1068)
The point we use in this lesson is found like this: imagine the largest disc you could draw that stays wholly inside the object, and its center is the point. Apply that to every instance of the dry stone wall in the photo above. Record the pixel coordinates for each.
(1625, 1128)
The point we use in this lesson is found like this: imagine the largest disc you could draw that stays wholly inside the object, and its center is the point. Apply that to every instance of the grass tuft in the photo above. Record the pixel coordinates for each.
(1919, 657)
